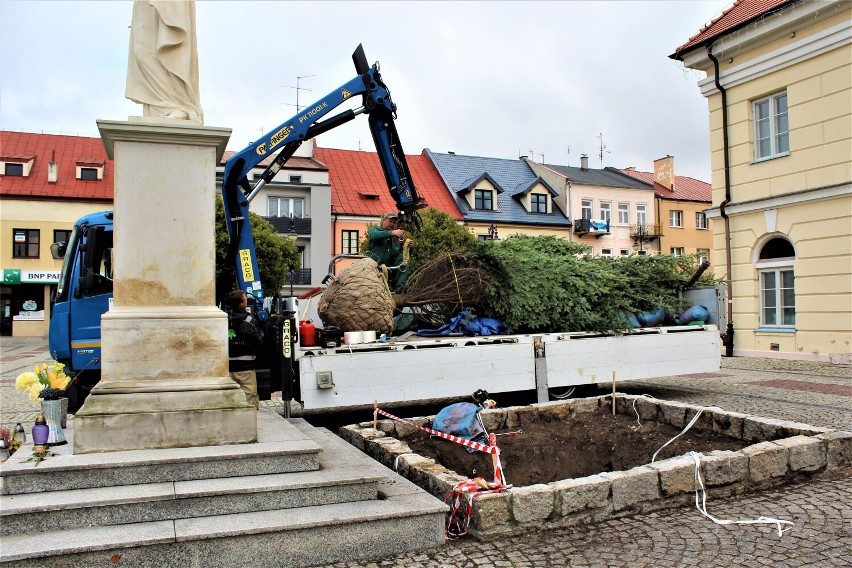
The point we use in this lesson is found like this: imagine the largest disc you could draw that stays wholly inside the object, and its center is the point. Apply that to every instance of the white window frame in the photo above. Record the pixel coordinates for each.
(777, 268)
(700, 220)
(289, 209)
(677, 251)
(772, 129)
(641, 213)
(607, 252)
(625, 252)
(606, 211)
(676, 218)
(702, 255)
(623, 213)
(586, 208)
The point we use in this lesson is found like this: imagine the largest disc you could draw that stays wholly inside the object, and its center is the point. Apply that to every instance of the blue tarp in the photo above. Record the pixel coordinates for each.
(468, 324)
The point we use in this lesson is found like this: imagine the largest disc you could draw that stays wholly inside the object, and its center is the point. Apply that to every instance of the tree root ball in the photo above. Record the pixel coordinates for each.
(359, 300)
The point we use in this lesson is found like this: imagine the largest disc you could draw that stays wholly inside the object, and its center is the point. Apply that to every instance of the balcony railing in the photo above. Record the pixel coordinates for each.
(301, 276)
(301, 225)
(643, 231)
(596, 227)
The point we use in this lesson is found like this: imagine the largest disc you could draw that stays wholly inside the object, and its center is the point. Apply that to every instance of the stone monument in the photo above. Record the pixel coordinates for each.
(164, 374)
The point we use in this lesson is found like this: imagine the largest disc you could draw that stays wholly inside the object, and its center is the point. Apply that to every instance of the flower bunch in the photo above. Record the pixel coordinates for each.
(46, 381)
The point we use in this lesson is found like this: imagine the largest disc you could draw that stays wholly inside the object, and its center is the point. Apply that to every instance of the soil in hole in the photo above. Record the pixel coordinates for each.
(586, 444)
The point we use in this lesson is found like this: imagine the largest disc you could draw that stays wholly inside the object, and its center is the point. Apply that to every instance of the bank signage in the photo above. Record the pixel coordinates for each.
(17, 276)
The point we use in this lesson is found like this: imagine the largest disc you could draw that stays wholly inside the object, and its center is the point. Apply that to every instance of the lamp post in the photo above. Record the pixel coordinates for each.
(641, 234)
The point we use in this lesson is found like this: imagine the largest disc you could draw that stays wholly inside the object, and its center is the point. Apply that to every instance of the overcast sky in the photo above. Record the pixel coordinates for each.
(497, 79)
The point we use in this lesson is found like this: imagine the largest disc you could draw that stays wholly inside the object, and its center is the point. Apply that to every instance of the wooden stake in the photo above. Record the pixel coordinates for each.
(375, 414)
(613, 393)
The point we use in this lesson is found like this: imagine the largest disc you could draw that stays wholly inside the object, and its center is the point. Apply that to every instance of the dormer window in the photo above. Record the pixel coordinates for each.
(16, 165)
(90, 169)
(538, 203)
(484, 199)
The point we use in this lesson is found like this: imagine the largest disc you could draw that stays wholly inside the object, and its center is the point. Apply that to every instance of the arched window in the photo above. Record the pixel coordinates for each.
(777, 291)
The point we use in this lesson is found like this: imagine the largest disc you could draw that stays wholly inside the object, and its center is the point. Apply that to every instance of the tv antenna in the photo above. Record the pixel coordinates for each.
(602, 149)
(298, 88)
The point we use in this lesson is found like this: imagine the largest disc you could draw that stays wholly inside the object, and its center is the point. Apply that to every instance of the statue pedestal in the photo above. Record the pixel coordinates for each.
(164, 374)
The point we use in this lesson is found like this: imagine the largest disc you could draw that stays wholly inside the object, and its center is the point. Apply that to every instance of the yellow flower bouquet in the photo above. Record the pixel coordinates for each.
(45, 381)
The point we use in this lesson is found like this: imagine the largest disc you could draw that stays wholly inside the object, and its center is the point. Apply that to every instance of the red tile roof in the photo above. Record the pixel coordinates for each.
(358, 184)
(67, 152)
(685, 188)
(739, 14)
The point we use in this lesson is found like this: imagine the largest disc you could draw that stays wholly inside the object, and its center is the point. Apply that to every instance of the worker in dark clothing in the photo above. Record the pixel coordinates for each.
(386, 243)
(244, 340)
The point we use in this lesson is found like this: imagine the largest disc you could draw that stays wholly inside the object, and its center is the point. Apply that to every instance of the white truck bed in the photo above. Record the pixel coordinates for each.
(451, 367)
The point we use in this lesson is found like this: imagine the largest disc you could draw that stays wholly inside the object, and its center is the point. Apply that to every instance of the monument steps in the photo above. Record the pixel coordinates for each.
(348, 507)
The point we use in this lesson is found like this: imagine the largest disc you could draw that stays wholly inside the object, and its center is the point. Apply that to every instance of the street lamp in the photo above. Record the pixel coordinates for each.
(639, 241)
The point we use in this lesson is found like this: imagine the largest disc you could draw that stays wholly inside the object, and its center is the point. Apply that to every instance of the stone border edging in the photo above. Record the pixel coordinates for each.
(781, 452)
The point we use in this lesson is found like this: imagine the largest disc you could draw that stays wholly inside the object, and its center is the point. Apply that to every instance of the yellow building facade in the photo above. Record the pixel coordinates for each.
(779, 92)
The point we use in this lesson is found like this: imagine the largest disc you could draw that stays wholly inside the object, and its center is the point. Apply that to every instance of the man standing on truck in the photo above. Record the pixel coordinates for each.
(386, 244)
(244, 340)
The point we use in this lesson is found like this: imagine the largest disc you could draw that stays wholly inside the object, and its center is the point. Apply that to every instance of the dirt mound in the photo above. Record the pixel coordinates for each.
(587, 444)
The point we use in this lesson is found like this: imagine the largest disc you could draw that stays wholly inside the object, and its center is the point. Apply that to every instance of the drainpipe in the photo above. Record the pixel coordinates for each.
(570, 211)
(728, 337)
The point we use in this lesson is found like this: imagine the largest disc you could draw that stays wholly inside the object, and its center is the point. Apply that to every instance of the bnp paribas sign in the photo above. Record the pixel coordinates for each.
(17, 276)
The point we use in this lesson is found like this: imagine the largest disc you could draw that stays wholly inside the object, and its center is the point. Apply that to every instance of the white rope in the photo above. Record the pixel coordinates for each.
(396, 460)
(682, 432)
(648, 396)
(702, 507)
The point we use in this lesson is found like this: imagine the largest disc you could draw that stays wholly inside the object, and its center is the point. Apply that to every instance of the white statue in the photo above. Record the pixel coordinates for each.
(162, 69)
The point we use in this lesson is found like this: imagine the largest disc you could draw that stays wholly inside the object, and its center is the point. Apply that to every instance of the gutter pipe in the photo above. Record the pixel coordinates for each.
(728, 336)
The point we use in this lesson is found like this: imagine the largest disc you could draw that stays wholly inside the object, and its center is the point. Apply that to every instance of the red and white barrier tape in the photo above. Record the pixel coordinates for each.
(491, 449)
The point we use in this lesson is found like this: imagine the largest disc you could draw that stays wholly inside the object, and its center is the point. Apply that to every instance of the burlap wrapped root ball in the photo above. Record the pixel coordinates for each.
(359, 300)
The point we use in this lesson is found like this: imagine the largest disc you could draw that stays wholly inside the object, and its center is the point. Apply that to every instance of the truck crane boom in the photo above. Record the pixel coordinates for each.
(284, 139)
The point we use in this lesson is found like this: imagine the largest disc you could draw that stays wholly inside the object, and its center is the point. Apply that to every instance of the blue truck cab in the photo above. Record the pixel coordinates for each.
(83, 294)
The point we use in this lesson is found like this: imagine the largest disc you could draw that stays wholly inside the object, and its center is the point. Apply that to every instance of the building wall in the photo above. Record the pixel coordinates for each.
(806, 196)
(45, 216)
(689, 237)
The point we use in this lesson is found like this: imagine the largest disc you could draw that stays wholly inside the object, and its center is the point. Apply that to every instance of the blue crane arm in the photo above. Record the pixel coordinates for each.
(237, 192)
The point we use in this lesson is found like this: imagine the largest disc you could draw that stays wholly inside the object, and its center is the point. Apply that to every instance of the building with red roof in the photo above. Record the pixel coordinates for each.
(360, 195)
(680, 202)
(47, 182)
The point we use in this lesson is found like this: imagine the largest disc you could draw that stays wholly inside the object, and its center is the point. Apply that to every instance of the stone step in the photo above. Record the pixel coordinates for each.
(291, 537)
(281, 448)
(61, 510)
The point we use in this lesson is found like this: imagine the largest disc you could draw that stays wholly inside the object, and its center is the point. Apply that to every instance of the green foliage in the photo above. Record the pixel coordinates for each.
(276, 255)
(548, 284)
(438, 234)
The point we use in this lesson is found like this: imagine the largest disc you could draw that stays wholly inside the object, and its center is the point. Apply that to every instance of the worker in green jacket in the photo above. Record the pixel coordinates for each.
(386, 244)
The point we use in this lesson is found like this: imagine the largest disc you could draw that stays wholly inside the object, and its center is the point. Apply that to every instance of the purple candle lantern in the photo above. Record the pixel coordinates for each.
(40, 431)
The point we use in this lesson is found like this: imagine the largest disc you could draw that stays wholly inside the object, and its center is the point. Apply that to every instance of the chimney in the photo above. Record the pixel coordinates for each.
(584, 162)
(52, 169)
(664, 172)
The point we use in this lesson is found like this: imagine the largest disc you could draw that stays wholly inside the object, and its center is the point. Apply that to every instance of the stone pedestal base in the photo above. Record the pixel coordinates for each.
(165, 384)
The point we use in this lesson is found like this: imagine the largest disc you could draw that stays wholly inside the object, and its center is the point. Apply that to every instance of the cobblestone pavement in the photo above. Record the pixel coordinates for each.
(814, 393)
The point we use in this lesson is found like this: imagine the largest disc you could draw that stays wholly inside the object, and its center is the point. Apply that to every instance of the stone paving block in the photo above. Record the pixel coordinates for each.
(491, 510)
(766, 460)
(806, 453)
(532, 503)
(723, 467)
(674, 413)
(838, 445)
(364, 434)
(585, 405)
(493, 419)
(648, 408)
(386, 426)
(757, 429)
(623, 403)
(444, 482)
(349, 432)
(791, 428)
(575, 495)
(404, 430)
(729, 423)
(705, 420)
(633, 486)
(409, 462)
(553, 411)
(677, 475)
